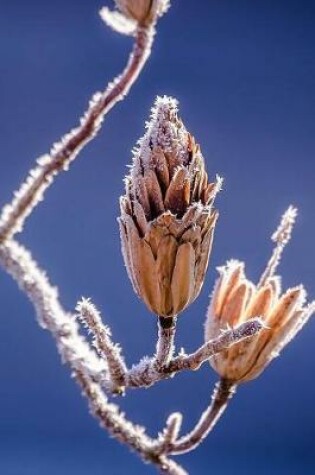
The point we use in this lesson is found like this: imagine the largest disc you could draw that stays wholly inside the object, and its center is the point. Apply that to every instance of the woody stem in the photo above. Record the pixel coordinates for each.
(223, 392)
(165, 344)
(13, 216)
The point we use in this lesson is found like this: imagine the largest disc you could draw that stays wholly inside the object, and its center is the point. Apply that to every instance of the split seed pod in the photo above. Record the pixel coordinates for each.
(130, 15)
(235, 300)
(142, 11)
(167, 218)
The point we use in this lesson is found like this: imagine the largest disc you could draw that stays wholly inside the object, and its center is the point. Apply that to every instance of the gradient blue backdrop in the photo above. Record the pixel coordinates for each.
(244, 75)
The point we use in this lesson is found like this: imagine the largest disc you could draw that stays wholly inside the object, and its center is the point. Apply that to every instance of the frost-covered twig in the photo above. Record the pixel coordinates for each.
(61, 155)
(89, 371)
(103, 343)
(213, 347)
(170, 433)
(281, 237)
(147, 373)
(124, 431)
(18, 262)
(224, 390)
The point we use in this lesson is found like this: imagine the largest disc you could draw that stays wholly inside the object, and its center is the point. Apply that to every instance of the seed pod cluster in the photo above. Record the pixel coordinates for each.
(167, 217)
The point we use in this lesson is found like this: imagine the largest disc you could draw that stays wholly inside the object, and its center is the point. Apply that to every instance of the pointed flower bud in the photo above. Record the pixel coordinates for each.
(167, 218)
(235, 300)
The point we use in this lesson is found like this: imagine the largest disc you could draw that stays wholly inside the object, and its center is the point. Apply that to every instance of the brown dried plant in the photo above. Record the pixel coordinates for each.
(167, 223)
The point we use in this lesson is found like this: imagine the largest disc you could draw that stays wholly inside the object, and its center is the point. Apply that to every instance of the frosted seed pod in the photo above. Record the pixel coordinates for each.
(167, 217)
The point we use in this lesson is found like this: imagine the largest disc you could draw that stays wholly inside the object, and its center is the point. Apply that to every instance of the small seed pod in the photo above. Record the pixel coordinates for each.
(167, 219)
(143, 12)
(236, 299)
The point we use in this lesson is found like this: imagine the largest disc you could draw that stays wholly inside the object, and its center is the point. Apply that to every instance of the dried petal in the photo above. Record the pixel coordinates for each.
(161, 169)
(165, 263)
(154, 193)
(148, 280)
(183, 277)
(233, 273)
(260, 304)
(203, 260)
(234, 307)
(140, 218)
(178, 193)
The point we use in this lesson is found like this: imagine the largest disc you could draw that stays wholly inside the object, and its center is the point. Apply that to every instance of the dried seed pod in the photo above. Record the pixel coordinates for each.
(235, 300)
(130, 15)
(143, 12)
(167, 217)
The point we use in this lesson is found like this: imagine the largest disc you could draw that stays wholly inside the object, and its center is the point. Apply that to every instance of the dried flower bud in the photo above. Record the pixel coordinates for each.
(143, 12)
(235, 300)
(129, 15)
(167, 220)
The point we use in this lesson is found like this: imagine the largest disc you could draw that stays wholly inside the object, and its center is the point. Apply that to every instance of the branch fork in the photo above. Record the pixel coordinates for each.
(163, 364)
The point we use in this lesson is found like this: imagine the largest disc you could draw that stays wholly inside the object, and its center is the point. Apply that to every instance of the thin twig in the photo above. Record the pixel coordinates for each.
(32, 280)
(121, 429)
(213, 347)
(63, 153)
(224, 390)
(146, 373)
(165, 344)
(281, 237)
(170, 433)
(103, 343)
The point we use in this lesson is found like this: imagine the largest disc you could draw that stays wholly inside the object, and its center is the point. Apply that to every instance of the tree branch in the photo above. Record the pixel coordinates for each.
(147, 373)
(170, 433)
(109, 351)
(213, 347)
(89, 371)
(74, 349)
(64, 152)
(165, 344)
(121, 429)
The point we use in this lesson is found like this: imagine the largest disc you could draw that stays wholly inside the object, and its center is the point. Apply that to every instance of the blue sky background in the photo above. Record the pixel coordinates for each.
(244, 75)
